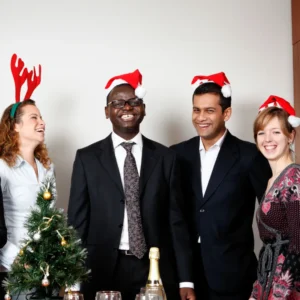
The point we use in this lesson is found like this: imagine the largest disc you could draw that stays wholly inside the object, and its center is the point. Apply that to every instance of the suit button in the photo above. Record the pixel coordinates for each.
(202, 210)
(122, 201)
(121, 225)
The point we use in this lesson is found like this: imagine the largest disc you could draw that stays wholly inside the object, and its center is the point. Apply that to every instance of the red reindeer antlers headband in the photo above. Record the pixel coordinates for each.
(33, 80)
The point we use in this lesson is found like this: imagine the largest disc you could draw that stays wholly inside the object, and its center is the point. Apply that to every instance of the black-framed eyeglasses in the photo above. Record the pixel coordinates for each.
(121, 103)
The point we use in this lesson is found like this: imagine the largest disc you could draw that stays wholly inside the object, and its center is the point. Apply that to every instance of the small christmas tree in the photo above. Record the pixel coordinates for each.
(51, 257)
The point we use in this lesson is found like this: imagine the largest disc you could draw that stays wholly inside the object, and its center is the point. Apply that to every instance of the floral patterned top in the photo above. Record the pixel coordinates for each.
(278, 219)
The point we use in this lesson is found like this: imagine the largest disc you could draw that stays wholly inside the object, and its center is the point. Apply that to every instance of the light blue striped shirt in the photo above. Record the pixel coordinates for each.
(19, 187)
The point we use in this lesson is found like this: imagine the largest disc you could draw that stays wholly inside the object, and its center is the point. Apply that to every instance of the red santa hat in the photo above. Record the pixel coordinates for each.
(285, 105)
(218, 78)
(134, 79)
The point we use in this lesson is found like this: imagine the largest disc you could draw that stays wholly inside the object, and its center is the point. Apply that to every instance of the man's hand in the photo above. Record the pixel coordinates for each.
(187, 293)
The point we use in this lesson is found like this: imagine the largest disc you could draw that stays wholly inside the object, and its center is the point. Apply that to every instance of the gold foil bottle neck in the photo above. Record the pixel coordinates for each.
(154, 253)
(154, 281)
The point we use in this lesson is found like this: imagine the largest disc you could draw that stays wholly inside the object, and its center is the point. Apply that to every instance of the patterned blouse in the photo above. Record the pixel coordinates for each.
(278, 219)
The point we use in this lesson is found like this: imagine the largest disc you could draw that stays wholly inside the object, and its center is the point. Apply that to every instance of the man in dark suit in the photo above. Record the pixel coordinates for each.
(119, 215)
(222, 176)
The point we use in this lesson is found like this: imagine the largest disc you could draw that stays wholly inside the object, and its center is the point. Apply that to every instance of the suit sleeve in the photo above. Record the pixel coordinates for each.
(79, 203)
(180, 234)
(3, 231)
(260, 173)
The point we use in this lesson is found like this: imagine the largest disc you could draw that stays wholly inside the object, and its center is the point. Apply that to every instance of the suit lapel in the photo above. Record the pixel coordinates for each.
(195, 168)
(107, 158)
(227, 157)
(149, 161)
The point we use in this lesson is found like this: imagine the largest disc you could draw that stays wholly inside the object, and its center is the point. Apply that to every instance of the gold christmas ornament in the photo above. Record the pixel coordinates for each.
(21, 252)
(63, 242)
(45, 282)
(47, 195)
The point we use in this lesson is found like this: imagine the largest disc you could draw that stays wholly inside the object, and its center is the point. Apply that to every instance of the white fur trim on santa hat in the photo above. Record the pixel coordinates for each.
(114, 84)
(294, 121)
(140, 92)
(226, 90)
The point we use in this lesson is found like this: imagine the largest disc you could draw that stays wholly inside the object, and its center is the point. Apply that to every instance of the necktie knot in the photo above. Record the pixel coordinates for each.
(127, 146)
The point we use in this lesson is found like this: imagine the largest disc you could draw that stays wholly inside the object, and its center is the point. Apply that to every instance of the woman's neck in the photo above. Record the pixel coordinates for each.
(279, 165)
(28, 154)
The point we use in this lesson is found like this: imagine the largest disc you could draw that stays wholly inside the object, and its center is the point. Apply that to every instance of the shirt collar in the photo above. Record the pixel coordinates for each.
(19, 161)
(218, 143)
(117, 140)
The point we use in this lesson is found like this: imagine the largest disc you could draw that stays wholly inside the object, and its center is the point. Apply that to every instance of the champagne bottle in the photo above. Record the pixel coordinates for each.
(154, 287)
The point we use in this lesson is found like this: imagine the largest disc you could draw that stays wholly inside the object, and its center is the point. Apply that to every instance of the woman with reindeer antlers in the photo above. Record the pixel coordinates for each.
(24, 160)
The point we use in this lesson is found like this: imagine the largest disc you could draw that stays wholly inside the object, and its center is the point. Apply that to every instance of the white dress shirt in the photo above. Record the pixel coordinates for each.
(120, 154)
(208, 159)
(20, 186)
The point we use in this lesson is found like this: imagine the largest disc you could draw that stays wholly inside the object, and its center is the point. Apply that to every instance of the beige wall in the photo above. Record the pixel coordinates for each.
(81, 44)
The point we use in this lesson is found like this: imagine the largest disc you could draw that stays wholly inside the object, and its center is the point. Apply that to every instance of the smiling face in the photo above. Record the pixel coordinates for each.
(30, 126)
(273, 134)
(126, 121)
(272, 142)
(208, 118)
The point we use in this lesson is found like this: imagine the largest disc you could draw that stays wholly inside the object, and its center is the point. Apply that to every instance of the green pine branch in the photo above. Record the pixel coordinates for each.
(51, 252)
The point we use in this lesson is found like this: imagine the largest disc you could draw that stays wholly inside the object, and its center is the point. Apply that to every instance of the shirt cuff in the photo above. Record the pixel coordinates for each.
(186, 285)
(9, 253)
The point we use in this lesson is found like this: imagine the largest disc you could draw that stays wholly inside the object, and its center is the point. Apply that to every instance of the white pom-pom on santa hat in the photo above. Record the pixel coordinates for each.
(294, 121)
(283, 104)
(218, 78)
(226, 90)
(140, 92)
(134, 79)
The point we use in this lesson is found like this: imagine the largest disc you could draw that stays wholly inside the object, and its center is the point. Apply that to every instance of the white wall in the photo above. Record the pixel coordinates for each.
(81, 44)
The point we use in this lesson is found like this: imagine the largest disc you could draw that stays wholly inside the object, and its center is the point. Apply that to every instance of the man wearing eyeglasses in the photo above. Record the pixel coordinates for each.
(125, 198)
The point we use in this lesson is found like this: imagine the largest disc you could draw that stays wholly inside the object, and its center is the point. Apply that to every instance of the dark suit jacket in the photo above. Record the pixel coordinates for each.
(96, 209)
(3, 231)
(223, 217)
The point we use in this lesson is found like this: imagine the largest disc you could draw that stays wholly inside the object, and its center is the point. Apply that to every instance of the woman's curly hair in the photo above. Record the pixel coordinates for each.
(9, 138)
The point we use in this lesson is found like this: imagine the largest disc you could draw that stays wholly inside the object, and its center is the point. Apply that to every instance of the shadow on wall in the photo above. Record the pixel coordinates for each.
(241, 123)
(61, 153)
(62, 147)
(67, 135)
(244, 130)
(178, 130)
